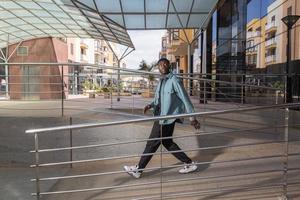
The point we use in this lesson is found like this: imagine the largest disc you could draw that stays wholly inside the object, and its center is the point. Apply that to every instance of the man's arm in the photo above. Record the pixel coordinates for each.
(152, 104)
(182, 94)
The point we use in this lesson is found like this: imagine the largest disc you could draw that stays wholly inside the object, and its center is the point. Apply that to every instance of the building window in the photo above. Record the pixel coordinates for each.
(164, 44)
(258, 31)
(115, 59)
(104, 60)
(97, 58)
(289, 11)
(83, 51)
(22, 51)
(273, 18)
(254, 59)
(175, 34)
(97, 45)
(72, 48)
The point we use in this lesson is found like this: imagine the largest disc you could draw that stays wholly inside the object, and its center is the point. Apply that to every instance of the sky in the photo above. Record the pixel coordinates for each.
(253, 12)
(147, 46)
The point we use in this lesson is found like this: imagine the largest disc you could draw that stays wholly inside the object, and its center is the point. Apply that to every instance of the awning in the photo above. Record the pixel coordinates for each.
(151, 14)
(99, 19)
(27, 19)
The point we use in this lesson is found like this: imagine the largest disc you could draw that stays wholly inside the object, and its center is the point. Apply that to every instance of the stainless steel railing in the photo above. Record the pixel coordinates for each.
(203, 90)
(281, 186)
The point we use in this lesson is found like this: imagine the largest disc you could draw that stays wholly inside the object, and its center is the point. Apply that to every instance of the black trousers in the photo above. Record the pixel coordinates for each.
(169, 144)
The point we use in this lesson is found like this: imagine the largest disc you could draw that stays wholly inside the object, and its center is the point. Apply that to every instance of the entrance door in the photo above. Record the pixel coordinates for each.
(31, 82)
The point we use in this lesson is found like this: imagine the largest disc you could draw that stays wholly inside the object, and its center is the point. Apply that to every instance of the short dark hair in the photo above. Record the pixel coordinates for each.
(164, 60)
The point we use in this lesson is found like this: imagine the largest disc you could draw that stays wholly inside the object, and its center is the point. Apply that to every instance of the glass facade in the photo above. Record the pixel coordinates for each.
(230, 43)
(248, 42)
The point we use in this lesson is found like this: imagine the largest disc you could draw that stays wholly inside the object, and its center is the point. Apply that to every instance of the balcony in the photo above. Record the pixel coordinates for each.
(83, 44)
(270, 27)
(253, 34)
(271, 43)
(271, 59)
(83, 58)
(252, 50)
(98, 50)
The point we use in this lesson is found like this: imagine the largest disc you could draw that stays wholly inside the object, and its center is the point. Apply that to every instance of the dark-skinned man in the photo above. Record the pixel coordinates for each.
(170, 99)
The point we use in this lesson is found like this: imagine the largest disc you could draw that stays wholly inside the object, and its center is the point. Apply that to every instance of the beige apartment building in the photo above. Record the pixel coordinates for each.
(267, 38)
(175, 47)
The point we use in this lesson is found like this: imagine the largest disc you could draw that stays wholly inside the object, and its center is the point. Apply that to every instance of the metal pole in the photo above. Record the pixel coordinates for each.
(76, 82)
(242, 90)
(132, 110)
(71, 142)
(161, 160)
(289, 96)
(286, 153)
(6, 69)
(204, 92)
(189, 69)
(118, 81)
(111, 93)
(6, 80)
(62, 90)
(37, 172)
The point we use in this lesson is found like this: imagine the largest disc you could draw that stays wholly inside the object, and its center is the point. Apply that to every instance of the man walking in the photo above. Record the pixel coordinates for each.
(170, 99)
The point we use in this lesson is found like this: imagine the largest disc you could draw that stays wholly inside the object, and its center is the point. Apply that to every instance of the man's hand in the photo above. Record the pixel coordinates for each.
(147, 107)
(196, 124)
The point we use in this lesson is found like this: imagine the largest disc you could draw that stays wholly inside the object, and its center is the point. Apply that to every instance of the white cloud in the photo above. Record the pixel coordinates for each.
(147, 46)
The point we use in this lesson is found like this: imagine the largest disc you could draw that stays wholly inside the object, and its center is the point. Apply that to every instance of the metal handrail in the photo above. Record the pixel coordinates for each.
(135, 71)
(201, 114)
(153, 139)
(155, 168)
(153, 154)
(196, 114)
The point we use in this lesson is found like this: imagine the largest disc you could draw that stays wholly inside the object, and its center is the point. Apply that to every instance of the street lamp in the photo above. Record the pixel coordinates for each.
(289, 21)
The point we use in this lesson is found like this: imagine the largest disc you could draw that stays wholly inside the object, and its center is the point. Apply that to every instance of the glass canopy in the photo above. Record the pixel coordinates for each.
(99, 19)
(26, 19)
(151, 14)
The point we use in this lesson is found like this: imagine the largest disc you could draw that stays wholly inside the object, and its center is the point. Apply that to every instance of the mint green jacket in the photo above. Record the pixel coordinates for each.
(174, 98)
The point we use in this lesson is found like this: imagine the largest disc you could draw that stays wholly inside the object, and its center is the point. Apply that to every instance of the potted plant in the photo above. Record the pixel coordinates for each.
(90, 88)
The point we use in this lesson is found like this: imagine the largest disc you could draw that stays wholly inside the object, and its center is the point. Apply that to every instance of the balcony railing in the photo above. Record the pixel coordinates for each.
(252, 49)
(83, 57)
(251, 34)
(98, 49)
(271, 41)
(271, 25)
(271, 58)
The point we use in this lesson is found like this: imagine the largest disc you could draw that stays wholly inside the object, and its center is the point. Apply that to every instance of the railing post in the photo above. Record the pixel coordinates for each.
(242, 90)
(161, 160)
(111, 92)
(7, 69)
(277, 93)
(37, 172)
(71, 143)
(286, 154)
(199, 83)
(118, 81)
(6, 81)
(132, 108)
(204, 90)
(62, 90)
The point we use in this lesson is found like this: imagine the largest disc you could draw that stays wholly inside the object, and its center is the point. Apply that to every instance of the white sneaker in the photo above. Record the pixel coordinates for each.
(133, 171)
(188, 168)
